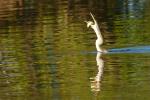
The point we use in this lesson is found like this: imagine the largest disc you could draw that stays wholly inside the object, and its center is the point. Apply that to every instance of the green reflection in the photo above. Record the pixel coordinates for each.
(45, 50)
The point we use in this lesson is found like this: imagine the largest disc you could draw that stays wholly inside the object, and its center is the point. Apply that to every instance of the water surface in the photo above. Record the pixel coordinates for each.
(47, 52)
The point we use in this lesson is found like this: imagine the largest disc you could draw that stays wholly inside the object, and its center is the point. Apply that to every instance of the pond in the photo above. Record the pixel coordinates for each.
(48, 53)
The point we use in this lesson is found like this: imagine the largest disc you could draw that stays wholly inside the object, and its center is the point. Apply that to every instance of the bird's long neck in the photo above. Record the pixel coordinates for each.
(97, 31)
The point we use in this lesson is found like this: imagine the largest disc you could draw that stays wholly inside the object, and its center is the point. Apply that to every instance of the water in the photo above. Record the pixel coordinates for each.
(47, 52)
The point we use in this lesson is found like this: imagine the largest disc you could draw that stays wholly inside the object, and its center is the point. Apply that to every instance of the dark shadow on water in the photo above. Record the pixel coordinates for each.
(137, 49)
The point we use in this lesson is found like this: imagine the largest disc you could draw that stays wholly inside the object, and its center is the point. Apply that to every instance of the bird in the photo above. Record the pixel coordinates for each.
(94, 25)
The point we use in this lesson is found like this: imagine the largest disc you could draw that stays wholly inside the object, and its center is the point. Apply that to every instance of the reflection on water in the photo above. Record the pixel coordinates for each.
(45, 50)
(96, 83)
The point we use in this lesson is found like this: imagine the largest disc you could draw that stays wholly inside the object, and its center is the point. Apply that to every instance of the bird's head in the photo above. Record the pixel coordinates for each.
(89, 23)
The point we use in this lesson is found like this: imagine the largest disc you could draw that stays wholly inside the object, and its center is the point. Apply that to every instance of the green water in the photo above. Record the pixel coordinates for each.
(46, 50)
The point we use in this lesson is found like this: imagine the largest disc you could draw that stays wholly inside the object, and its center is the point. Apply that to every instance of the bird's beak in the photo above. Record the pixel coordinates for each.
(87, 24)
(86, 21)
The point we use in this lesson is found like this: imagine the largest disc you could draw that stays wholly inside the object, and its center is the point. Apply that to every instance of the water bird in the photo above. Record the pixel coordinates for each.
(99, 41)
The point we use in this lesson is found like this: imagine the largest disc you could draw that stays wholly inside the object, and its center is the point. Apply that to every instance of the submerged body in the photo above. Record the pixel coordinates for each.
(95, 27)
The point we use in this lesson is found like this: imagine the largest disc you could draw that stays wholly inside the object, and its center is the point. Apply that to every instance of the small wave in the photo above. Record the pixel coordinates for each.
(137, 49)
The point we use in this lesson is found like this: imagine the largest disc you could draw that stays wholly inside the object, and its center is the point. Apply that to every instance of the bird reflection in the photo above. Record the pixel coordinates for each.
(96, 81)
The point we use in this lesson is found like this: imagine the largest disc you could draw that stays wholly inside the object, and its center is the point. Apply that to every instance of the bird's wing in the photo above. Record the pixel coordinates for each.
(93, 18)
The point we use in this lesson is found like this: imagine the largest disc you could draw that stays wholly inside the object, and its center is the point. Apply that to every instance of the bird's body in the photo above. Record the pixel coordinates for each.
(95, 27)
